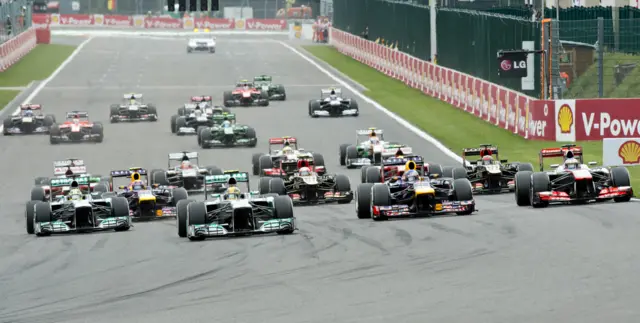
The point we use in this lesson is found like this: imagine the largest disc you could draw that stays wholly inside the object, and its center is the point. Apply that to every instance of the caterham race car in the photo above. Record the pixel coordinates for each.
(29, 120)
(275, 92)
(489, 174)
(76, 128)
(132, 109)
(244, 95)
(332, 104)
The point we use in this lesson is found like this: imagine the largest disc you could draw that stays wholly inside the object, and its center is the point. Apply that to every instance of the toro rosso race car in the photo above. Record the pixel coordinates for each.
(29, 120)
(234, 212)
(489, 174)
(245, 95)
(186, 173)
(370, 149)
(413, 194)
(571, 182)
(76, 128)
(132, 109)
(274, 91)
(146, 201)
(332, 104)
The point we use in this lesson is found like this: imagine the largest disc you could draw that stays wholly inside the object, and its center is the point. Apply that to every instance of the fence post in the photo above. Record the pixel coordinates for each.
(434, 34)
(600, 50)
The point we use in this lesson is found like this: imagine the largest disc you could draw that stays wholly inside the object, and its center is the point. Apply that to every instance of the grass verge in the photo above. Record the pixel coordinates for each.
(37, 65)
(586, 86)
(6, 96)
(453, 127)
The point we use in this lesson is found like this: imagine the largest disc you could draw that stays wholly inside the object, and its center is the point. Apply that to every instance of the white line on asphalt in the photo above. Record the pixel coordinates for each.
(169, 87)
(51, 77)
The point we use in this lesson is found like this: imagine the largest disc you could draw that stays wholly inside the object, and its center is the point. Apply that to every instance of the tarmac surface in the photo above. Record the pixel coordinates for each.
(502, 264)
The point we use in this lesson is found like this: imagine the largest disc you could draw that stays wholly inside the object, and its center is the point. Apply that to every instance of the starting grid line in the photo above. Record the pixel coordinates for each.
(127, 88)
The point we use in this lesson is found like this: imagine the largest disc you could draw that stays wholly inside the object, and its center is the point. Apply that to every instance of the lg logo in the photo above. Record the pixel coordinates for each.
(507, 65)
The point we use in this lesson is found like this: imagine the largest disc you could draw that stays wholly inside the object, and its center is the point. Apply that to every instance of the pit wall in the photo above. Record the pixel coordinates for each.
(528, 117)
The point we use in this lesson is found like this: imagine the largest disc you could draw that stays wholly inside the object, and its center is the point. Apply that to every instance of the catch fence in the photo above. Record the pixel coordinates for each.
(15, 18)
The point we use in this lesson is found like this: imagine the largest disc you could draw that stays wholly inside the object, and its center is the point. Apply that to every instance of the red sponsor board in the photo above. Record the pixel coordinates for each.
(72, 20)
(116, 20)
(605, 118)
(214, 24)
(162, 22)
(40, 20)
(267, 24)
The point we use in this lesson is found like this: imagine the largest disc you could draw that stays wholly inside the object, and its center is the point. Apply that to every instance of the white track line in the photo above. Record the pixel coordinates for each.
(51, 77)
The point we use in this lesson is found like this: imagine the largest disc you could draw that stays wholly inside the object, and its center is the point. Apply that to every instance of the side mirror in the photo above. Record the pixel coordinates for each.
(121, 187)
(504, 161)
(554, 165)
(155, 185)
(592, 163)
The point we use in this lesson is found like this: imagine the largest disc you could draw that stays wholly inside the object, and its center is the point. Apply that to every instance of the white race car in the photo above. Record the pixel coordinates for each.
(202, 45)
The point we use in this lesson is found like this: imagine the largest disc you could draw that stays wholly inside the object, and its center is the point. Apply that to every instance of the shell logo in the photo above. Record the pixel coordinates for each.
(629, 151)
(138, 22)
(565, 119)
(98, 20)
(55, 19)
(239, 24)
(188, 23)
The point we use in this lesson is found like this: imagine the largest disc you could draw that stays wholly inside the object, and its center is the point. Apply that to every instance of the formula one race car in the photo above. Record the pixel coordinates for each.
(133, 109)
(490, 174)
(274, 91)
(68, 169)
(245, 95)
(76, 128)
(306, 186)
(186, 174)
(202, 44)
(395, 167)
(332, 104)
(29, 120)
(370, 149)
(228, 134)
(289, 153)
(189, 123)
(147, 201)
(571, 182)
(78, 211)
(234, 212)
(414, 194)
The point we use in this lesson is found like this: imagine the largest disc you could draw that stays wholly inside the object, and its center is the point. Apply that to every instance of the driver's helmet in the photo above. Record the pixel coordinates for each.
(487, 160)
(136, 186)
(197, 111)
(374, 140)
(333, 92)
(28, 113)
(75, 194)
(226, 123)
(185, 165)
(287, 151)
(305, 171)
(232, 193)
(571, 163)
(411, 176)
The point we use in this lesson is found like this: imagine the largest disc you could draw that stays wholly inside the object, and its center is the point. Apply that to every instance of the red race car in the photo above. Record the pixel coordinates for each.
(76, 128)
(245, 95)
(571, 182)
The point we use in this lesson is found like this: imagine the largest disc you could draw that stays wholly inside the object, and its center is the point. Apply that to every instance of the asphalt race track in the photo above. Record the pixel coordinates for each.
(503, 264)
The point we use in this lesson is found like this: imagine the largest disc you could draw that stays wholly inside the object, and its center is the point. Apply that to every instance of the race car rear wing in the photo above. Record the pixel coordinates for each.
(190, 156)
(58, 182)
(240, 177)
(78, 114)
(262, 78)
(393, 161)
(128, 96)
(282, 140)
(229, 116)
(30, 106)
(76, 166)
(323, 92)
(566, 151)
(204, 98)
(484, 150)
(128, 173)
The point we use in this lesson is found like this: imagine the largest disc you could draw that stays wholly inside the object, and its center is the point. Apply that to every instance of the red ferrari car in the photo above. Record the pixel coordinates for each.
(76, 128)
(244, 95)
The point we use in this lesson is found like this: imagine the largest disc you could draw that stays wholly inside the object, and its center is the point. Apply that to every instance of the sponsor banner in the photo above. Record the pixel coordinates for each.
(16, 48)
(621, 151)
(144, 22)
(599, 118)
(214, 23)
(266, 24)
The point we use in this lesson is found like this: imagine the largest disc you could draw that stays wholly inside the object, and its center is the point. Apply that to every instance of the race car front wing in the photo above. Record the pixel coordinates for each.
(219, 230)
(403, 210)
(328, 197)
(47, 228)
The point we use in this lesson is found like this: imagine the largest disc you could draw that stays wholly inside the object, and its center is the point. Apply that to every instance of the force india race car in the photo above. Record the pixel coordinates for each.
(77, 212)
(202, 44)
(370, 149)
(227, 135)
(288, 153)
(76, 128)
(245, 95)
(571, 182)
(146, 201)
(29, 120)
(332, 104)
(274, 91)
(413, 194)
(132, 109)
(234, 212)
(489, 174)
(306, 186)
(186, 174)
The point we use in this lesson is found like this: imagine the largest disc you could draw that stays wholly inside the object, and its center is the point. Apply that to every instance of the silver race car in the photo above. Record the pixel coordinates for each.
(202, 44)
(332, 104)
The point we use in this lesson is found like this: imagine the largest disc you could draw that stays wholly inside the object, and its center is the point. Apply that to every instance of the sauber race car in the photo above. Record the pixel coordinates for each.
(489, 174)
(202, 44)
(244, 95)
(370, 149)
(77, 211)
(146, 201)
(414, 194)
(227, 134)
(274, 91)
(305, 185)
(234, 212)
(571, 182)
(67, 169)
(76, 128)
(332, 104)
(186, 173)
(29, 120)
(132, 108)
(286, 151)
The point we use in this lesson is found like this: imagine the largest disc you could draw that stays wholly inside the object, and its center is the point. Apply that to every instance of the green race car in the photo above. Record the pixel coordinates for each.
(227, 134)
(264, 83)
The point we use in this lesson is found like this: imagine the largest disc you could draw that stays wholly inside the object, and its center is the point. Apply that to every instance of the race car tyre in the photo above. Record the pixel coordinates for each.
(7, 123)
(265, 162)
(172, 123)
(265, 102)
(373, 175)
(199, 133)
(54, 131)
(152, 110)
(108, 195)
(354, 106)
(463, 192)
(447, 171)
(251, 134)
(119, 207)
(380, 197)
(525, 167)
(620, 177)
(189, 50)
(343, 184)
(98, 129)
(342, 154)
(181, 217)
(38, 194)
(283, 207)
(459, 172)
(212, 50)
(539, 183)
(204, 138)
(30, 214)
(352, 153)
(179, 194)
(152, 175)
(196, 215)
(42, 212)
(114, 111)
(263, 185)
(255, 167)
(314, 106)
(227, 98)
(160, 178)
(100, 188)
(42, 181)
(276, 186)
(436, 169)
(280, 90)
(181, 122)
(214, 170)
(377, 158)
(363, 174)
(318, 160)
(182, 111)
(523, 187)
(49, 120)
(363, 200)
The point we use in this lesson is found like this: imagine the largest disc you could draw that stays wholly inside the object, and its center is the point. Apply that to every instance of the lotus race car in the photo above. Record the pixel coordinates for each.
(202, 44)
(414, 195)
(490, 174)
(29, 120)
(186, 174)
(235, 212)
(370, 149)
(227, 135)
(332, 104)
(76, 128)
(245, 95)
(274, 91)
(132, 109)
(571, 182)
